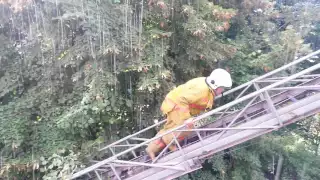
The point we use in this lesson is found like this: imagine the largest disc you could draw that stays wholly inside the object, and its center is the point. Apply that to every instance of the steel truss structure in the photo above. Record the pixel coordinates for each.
(262, 105)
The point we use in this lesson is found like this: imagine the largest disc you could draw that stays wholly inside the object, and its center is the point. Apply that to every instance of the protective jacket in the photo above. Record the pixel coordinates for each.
(189, 99)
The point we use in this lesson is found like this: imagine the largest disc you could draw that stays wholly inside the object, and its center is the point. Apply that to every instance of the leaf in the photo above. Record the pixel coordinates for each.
(42, 158)
(66, 167)
(129, 103)
(58, 162)
(61, 151)
(90, 121)
(55, 155)
(107, 102)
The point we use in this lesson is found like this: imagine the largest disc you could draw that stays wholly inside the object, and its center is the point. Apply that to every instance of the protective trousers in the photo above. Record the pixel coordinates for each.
(175, 118)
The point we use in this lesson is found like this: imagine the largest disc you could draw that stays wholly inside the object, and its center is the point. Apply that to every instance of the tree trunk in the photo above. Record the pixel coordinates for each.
(304, 170)
(279, 167)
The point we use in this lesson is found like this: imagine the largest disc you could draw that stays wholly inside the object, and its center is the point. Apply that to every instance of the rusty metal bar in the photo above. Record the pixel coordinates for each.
(97, 174)
(298, 87)
(149, 165)
(233, 128)
(115, 172)
(272, 107)
(238, 115)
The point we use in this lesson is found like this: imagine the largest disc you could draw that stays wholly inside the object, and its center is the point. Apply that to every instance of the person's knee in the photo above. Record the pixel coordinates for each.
(173, 148)
(152, 147)
(156, 146)
(167, 138)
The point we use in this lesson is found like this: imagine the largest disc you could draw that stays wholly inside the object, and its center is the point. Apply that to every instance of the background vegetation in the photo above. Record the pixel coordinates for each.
(75, 73)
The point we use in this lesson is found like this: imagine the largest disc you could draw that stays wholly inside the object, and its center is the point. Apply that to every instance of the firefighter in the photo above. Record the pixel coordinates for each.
(185, 101)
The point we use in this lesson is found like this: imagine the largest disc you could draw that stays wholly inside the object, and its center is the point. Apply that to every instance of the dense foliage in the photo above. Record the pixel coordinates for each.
(76, 73)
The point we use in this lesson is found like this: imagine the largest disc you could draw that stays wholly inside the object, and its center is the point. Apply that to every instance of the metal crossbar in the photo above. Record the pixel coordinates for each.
(282, 101)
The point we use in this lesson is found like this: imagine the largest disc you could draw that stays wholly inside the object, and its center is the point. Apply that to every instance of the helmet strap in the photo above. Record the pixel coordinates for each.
(221, 100)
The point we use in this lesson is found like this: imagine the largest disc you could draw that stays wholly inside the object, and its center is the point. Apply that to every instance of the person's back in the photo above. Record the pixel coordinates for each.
(193, 96)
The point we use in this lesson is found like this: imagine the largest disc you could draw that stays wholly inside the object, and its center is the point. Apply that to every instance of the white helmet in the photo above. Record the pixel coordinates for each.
(219, 78)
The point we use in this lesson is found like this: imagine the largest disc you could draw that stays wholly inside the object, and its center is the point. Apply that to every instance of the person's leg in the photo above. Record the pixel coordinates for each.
(175, 116)
(155, 146)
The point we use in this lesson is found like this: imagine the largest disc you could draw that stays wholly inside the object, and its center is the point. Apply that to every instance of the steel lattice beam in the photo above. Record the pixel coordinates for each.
(230, 129)
(289, 114)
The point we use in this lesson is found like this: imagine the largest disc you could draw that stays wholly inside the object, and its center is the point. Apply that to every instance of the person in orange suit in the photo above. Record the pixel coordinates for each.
(185, 101)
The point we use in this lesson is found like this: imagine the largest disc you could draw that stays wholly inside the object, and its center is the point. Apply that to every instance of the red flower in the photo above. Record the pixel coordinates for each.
(219, 28)
(161, 4)
(226, 26)
(88, 66)
(145, 69)
(161, 24)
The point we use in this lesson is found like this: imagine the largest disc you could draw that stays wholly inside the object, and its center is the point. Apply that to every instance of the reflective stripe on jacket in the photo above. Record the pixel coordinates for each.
(193, 97)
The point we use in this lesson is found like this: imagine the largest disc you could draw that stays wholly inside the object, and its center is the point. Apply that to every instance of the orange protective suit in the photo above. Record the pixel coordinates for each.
(180, 104)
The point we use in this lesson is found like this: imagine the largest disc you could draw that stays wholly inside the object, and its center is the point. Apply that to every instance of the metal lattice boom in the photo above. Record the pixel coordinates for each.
(262, 105)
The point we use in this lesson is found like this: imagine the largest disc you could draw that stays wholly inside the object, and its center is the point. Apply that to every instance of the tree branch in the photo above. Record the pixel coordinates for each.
(279, 167)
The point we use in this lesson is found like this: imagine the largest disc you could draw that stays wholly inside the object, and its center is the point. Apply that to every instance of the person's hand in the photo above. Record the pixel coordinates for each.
(189, 123)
